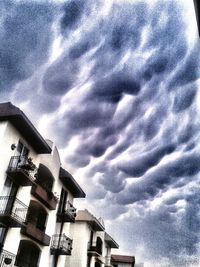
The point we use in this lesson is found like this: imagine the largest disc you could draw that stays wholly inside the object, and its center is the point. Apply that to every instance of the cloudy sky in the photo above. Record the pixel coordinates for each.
(115, 85)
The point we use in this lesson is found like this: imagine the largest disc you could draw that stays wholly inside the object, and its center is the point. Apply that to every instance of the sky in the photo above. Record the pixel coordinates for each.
(115, 85)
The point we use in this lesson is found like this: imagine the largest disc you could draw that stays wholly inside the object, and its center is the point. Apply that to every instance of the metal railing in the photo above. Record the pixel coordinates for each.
(14, 207)
(24, 164)
(68, 214)
(61, 242)
(70, 209)
(7, 259)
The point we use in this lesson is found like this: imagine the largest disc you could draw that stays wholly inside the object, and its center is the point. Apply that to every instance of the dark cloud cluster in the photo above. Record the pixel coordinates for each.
(140, 164)
(59, 77)
(184, 99)
(120, 96)
(72, 14)
(164, 176)
(26, 38)
(189, 71)
(113, 88)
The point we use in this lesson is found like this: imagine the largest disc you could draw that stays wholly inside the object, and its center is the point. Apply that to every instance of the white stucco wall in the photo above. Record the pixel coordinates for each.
(81, 237)
(8, 136)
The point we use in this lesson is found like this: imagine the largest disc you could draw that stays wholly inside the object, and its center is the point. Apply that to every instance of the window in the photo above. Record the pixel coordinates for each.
(45, 178)
(28, 254)
(3, 233)
(91, 237)
(99, 245)
(63, 201)
(22, 153)
(37, 215)
(9, 188)
(22, 150)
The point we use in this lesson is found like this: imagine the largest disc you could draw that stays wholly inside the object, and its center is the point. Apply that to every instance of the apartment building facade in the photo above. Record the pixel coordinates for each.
(92, 244)
(39, 225)
(36, 200)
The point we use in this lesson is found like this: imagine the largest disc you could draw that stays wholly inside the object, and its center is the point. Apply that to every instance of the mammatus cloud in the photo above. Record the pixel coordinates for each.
(116, 86)
(25, 40)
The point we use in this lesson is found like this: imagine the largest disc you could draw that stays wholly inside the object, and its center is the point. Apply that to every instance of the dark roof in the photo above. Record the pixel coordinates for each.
(122, 258)
(96, 225)
(197, 10)
(71, 184)
(110, 241)
(14, 115)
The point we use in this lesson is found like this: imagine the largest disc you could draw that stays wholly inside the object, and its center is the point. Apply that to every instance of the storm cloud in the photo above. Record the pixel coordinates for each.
(25, 40)
(116, 86)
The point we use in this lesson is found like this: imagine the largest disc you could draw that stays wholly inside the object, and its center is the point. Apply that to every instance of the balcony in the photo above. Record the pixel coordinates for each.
(12, 211)
(7, 259)
(61, 245)
(44, 195)
(36, 234)
(68, 215)
(21, 170)
(94, 249)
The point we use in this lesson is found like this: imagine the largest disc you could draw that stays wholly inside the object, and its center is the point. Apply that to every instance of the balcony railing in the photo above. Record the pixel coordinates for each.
(36, 234)
(12, 211)
(94, 248)
(68, 215)
(22, 170)
(7, 259)
(45, 196)
(61, 245)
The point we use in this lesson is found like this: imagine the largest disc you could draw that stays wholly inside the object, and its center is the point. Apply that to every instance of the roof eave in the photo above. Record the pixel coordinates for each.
(197, 11)
(70, 183)
(97, 226)
(18, 119)
(122, 259)
(110, 241)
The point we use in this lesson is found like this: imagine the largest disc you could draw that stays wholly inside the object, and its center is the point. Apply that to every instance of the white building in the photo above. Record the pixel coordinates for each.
(36, 200)
(38, 222)
(91, 244)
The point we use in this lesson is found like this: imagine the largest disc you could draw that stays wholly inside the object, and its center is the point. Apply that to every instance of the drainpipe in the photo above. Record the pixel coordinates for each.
(55, 258)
